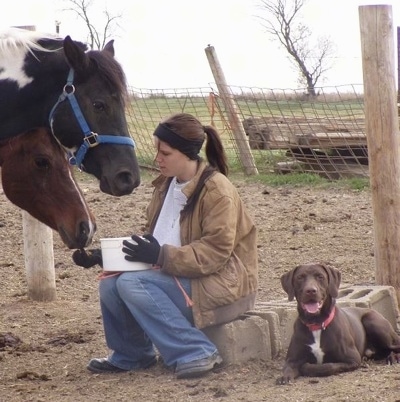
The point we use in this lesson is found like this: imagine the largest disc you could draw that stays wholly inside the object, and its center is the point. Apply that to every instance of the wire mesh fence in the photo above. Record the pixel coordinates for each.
(286, 130)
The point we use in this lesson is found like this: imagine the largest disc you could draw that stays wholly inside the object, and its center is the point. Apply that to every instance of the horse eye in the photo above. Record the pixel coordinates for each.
(99, 106)
(42, 163)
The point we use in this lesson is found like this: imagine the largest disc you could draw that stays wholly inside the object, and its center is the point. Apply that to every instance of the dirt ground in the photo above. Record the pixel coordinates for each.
(57, 339)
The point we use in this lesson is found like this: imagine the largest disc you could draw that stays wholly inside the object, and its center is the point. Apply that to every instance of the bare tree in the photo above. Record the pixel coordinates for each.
(282, 22)
(97, 36)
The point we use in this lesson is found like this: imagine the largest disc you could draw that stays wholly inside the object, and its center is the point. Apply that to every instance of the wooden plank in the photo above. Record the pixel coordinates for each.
(322, 168)
(332, 139)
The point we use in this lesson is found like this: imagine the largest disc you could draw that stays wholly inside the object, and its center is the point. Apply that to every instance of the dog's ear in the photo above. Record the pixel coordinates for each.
(287, 283)
(334, 278)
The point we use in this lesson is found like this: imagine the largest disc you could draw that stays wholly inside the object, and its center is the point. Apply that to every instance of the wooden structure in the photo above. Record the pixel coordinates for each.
(228, 99)
(382, 129)
(282, 133)
(39, 259)
(334, 148)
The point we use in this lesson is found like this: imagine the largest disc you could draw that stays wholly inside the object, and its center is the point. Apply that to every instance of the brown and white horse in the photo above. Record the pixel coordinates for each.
(37, 177)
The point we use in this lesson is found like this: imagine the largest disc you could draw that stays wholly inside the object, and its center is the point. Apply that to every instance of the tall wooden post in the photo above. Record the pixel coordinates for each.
(228, 99)
(398, 66)
(382, 129)
(39, 259)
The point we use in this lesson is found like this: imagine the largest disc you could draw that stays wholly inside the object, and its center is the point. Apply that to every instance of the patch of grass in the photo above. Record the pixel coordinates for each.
(292, 179)
(309, 180)
(355, 183)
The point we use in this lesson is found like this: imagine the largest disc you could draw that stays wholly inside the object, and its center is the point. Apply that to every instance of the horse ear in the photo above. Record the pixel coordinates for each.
(109, 47)
(287, 283)
(334, 278)
(75, 55)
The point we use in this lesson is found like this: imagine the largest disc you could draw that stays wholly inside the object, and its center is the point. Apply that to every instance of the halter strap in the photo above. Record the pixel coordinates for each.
(94, 139)
(90, 139)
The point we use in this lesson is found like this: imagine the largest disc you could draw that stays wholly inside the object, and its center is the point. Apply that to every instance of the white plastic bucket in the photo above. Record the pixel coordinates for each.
(114, 258)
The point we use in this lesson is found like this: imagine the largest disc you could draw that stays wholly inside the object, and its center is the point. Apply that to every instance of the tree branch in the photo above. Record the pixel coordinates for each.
(281, 22)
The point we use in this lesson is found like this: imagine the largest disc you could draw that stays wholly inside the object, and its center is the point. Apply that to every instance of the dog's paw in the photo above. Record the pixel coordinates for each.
(284, 380)
(393, 358)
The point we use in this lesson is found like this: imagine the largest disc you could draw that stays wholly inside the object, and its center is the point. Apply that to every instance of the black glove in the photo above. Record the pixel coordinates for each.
(87, 259)
(145, 250)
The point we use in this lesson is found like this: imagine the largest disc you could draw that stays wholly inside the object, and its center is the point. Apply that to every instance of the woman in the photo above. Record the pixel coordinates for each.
(203, 247)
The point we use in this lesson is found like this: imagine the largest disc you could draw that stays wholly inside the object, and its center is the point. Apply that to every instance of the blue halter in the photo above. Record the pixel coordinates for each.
(90, 139)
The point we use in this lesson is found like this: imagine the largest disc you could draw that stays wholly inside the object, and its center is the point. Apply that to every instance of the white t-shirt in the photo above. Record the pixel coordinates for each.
(167, 229)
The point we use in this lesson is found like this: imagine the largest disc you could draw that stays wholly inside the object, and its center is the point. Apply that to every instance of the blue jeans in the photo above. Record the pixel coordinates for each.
(143, 309)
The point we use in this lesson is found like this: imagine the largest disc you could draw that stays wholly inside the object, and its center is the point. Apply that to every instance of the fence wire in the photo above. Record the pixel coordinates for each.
(286, 130)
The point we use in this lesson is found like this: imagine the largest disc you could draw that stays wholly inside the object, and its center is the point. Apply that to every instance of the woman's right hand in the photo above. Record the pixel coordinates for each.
(87, 259)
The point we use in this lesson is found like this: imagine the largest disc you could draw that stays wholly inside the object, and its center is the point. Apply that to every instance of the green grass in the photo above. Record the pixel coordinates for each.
(308, 180)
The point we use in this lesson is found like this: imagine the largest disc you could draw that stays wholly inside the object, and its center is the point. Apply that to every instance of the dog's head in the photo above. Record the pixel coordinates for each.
(314, 285)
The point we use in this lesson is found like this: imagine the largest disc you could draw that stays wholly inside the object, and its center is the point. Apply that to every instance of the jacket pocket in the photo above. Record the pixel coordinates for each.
(223, 287)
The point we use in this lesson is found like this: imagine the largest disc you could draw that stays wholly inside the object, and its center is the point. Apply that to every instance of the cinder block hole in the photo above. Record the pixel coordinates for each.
(344, 292)
(354, 295)
(360, 294)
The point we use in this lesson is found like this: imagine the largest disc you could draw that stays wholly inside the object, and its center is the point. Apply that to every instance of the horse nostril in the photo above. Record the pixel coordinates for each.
(124, 177)
(126, 182)
(84, 229)
(127, 178)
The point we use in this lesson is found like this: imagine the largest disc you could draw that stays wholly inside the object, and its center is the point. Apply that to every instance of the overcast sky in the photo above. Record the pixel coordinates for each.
(161, 42)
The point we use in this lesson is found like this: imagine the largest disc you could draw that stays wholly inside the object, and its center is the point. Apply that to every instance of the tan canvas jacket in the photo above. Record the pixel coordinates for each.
(218, 252)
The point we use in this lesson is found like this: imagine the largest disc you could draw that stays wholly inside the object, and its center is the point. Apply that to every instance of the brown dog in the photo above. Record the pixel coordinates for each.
(328, 339)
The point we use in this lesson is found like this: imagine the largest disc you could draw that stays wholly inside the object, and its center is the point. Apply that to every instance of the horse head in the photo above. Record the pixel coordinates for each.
(100, 91)
(37, 177)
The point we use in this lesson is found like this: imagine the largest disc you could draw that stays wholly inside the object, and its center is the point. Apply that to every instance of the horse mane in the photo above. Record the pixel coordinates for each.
(110, 71)
(19, 41)
(16, 40)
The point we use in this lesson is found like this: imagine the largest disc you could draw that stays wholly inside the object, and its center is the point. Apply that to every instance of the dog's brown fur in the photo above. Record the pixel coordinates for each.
(352, 334)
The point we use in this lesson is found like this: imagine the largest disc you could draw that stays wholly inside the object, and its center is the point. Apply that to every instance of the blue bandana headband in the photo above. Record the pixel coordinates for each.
(190, 148)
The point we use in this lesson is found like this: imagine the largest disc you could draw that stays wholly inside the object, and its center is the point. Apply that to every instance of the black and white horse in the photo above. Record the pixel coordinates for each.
(47, 81)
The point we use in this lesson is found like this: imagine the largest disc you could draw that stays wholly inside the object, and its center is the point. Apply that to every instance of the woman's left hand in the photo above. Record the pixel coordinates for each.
(146, 250)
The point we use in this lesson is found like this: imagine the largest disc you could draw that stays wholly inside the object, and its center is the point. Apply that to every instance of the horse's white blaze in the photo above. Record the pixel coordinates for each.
(85, 206)
(316, 347)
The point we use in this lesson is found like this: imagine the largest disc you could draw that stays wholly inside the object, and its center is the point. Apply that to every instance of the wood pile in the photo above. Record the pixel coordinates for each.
(332, 147)
(283, 133)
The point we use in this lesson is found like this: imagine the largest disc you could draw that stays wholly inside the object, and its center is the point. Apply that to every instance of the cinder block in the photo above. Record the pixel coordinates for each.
(274, 329)
(286, 315)
(380, 298)
(243, 339)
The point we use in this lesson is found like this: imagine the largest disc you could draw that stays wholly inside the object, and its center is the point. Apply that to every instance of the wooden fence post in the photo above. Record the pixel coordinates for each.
(39, 259)
(382, 129)
(228, 99)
